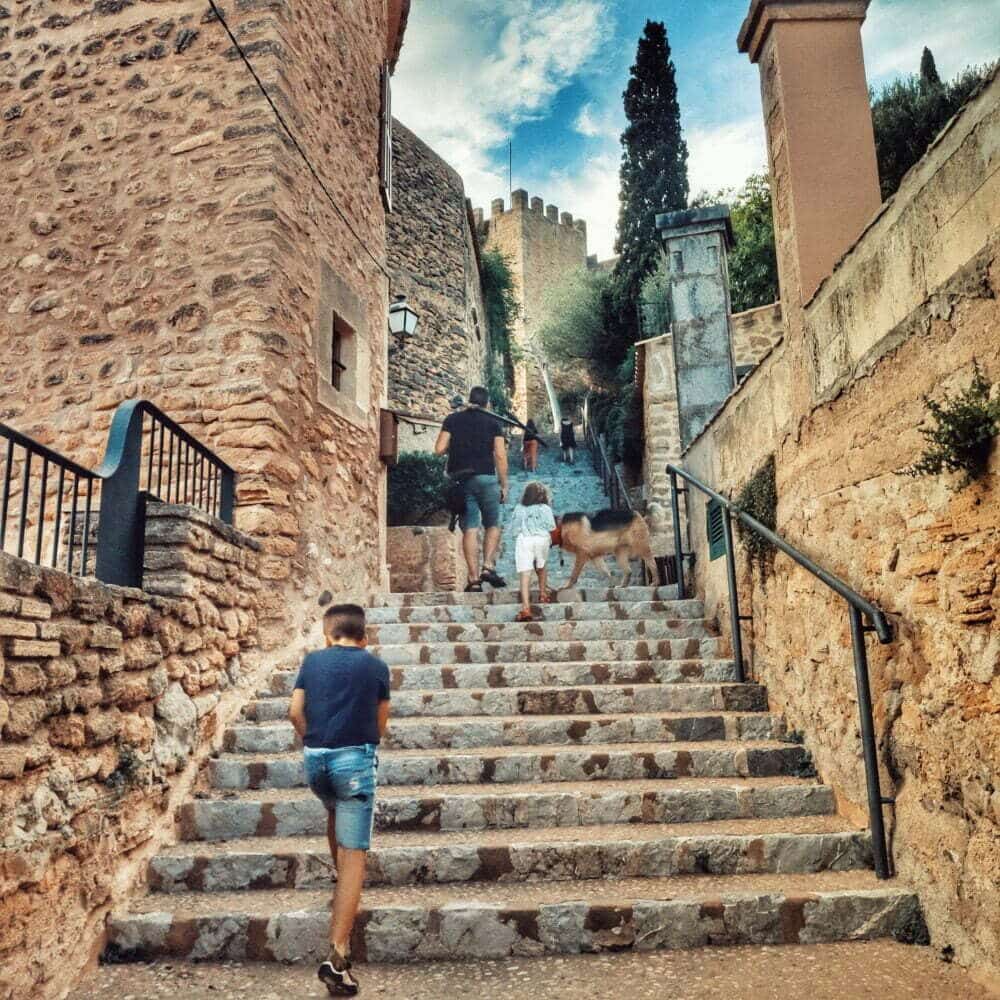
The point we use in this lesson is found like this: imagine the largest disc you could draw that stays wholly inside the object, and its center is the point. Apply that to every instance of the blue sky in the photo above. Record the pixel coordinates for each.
(549, 74)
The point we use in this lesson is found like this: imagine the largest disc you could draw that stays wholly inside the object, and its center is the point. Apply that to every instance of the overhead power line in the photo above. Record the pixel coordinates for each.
(295, 142)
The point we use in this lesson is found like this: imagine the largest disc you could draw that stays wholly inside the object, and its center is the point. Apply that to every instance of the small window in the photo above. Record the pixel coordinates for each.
(340, 343)
(678, 259)
(385, 138)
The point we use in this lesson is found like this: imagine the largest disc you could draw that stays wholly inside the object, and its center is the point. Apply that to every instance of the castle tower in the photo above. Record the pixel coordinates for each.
(544, 249)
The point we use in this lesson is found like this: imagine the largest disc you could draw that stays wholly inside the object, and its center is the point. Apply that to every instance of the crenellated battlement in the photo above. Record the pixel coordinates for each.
(521, 203)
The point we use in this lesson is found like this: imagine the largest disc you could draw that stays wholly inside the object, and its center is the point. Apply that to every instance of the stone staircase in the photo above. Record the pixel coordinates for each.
(594, 781)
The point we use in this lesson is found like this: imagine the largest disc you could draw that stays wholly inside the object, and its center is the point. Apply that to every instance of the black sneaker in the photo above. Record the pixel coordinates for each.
(335, 973)
(492, 577)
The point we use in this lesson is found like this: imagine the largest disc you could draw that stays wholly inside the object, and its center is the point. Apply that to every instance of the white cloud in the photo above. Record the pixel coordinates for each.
(725, 155)
(467, 78)
(959, 33)
(595, 123)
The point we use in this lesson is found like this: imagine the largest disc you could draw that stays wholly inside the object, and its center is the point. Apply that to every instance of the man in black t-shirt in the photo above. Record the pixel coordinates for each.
(473, 440)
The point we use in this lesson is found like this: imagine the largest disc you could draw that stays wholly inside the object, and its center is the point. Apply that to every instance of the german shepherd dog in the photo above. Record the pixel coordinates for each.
(591, 537)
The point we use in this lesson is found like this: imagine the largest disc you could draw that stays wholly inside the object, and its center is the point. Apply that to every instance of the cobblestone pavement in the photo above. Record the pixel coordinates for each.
(881, 970)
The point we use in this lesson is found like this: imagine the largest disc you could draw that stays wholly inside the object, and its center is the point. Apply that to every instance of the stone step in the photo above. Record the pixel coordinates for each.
(522, 675)
(508, 595)
(497, 920)
(553, 651)
(502, 765)
(610, 699)
(659, 627)
(562, 730)
(297, 812)
(814, 844)
(571, 611)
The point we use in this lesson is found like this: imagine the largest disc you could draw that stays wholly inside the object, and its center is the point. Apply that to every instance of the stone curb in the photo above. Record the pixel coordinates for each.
(508, 595)
(504, 613)
(546, 631)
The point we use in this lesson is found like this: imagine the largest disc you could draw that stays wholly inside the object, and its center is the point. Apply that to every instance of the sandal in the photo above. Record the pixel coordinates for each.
(492, 577)
(474, 587)
(524, 615)
(549, 597)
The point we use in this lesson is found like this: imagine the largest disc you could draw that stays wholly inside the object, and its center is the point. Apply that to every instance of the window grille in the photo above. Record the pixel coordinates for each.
(716, 530)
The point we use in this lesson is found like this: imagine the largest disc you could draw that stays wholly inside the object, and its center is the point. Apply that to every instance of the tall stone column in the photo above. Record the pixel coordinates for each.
(696, 241)
(819, 132)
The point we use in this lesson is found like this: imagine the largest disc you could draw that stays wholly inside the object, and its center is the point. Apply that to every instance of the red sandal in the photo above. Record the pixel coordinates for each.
(524, 615)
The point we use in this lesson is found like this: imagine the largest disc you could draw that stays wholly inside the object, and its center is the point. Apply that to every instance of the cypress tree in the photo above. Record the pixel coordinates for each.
(928, 70)
(654, 174)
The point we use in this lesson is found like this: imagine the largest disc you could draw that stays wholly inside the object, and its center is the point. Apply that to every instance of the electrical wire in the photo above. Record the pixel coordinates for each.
(295, 142)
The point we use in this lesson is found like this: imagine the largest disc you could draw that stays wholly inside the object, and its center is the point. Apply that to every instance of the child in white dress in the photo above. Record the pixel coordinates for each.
(532, 525)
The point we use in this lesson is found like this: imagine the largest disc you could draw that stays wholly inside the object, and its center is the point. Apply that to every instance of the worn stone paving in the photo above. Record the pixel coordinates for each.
(589, 784)
(880, 970)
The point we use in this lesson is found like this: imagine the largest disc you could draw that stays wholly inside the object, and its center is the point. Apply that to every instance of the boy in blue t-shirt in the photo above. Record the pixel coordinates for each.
(340, 709)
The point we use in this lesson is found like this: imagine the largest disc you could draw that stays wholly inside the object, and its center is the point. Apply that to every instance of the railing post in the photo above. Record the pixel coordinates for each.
(121, 523)
(875, 820)
(678, 549)
(734, 595)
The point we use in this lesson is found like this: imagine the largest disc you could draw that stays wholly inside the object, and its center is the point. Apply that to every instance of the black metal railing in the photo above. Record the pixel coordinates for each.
(55, 512)
(857, 609)
(47, 505)
(610, 474)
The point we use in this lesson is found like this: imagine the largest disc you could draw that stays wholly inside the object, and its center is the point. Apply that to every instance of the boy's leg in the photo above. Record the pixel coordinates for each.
(542, 582)
(347, 899)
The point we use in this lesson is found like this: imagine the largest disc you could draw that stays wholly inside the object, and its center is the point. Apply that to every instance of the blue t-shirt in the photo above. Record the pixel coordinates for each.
(343, 686)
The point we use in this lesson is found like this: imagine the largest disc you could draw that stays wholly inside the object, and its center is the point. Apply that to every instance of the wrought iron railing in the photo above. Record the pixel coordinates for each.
(610, 474)
(60, 508)
(858, 608)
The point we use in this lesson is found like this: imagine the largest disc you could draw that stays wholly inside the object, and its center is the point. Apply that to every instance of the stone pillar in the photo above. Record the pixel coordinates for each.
(819, 132)
(519, 200)
(696, 242)
(552, 213)
(496, 206)
(538, 205)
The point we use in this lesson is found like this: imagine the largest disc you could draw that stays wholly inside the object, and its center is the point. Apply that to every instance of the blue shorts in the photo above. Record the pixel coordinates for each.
(344, 781)
(482, 503)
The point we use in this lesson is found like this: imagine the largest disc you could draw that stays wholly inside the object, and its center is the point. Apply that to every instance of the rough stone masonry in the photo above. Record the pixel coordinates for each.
(108, 696)
(164, 239)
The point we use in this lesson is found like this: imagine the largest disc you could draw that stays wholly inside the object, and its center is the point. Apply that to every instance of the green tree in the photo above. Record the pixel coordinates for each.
(753, 263)
(654, 179)
(502, 310)
(909, 113)
(928, 69)
(572, 336)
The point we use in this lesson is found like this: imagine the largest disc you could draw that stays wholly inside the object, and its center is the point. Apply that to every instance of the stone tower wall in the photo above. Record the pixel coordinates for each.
(433, 255)
(545, 248)
(165, 240)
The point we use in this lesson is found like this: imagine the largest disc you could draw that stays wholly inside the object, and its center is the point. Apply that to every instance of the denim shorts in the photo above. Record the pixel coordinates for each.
(482, 503)
(344, 781)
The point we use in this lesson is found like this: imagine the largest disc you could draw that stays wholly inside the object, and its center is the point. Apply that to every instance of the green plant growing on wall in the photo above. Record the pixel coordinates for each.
(417, 484)
(963, 432)
(759, 499)
(501, 313)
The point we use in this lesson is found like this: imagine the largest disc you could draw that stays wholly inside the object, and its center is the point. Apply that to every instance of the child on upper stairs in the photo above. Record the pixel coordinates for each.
(532, 524)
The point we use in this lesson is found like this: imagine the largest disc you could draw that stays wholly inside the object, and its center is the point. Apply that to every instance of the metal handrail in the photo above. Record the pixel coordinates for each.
(148, 455)
(857, 606)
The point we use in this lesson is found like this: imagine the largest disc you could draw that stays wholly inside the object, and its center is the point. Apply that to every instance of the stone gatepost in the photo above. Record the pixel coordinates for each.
(819, 132)
(696, 242)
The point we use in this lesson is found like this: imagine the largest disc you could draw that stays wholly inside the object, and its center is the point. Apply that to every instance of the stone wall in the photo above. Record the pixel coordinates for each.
(165, 240)
(433, 255)
(904, 315)
(544, 248)
(754, 333)
(425, 560)
(109, 698)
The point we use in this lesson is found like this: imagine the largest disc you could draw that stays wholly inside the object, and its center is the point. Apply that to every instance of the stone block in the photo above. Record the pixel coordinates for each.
(18, 628)
(31, 649)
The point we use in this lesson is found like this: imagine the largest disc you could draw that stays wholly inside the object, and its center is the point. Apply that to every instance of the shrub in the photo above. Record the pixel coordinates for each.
(759, 499)
(963, 434)
(417, 483)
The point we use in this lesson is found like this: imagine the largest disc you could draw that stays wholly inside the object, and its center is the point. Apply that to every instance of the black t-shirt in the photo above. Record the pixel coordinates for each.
(567, 436)
(473, 432)
(343, 686)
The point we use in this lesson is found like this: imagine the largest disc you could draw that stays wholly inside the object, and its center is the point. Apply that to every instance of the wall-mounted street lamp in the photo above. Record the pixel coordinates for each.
(402, 319)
